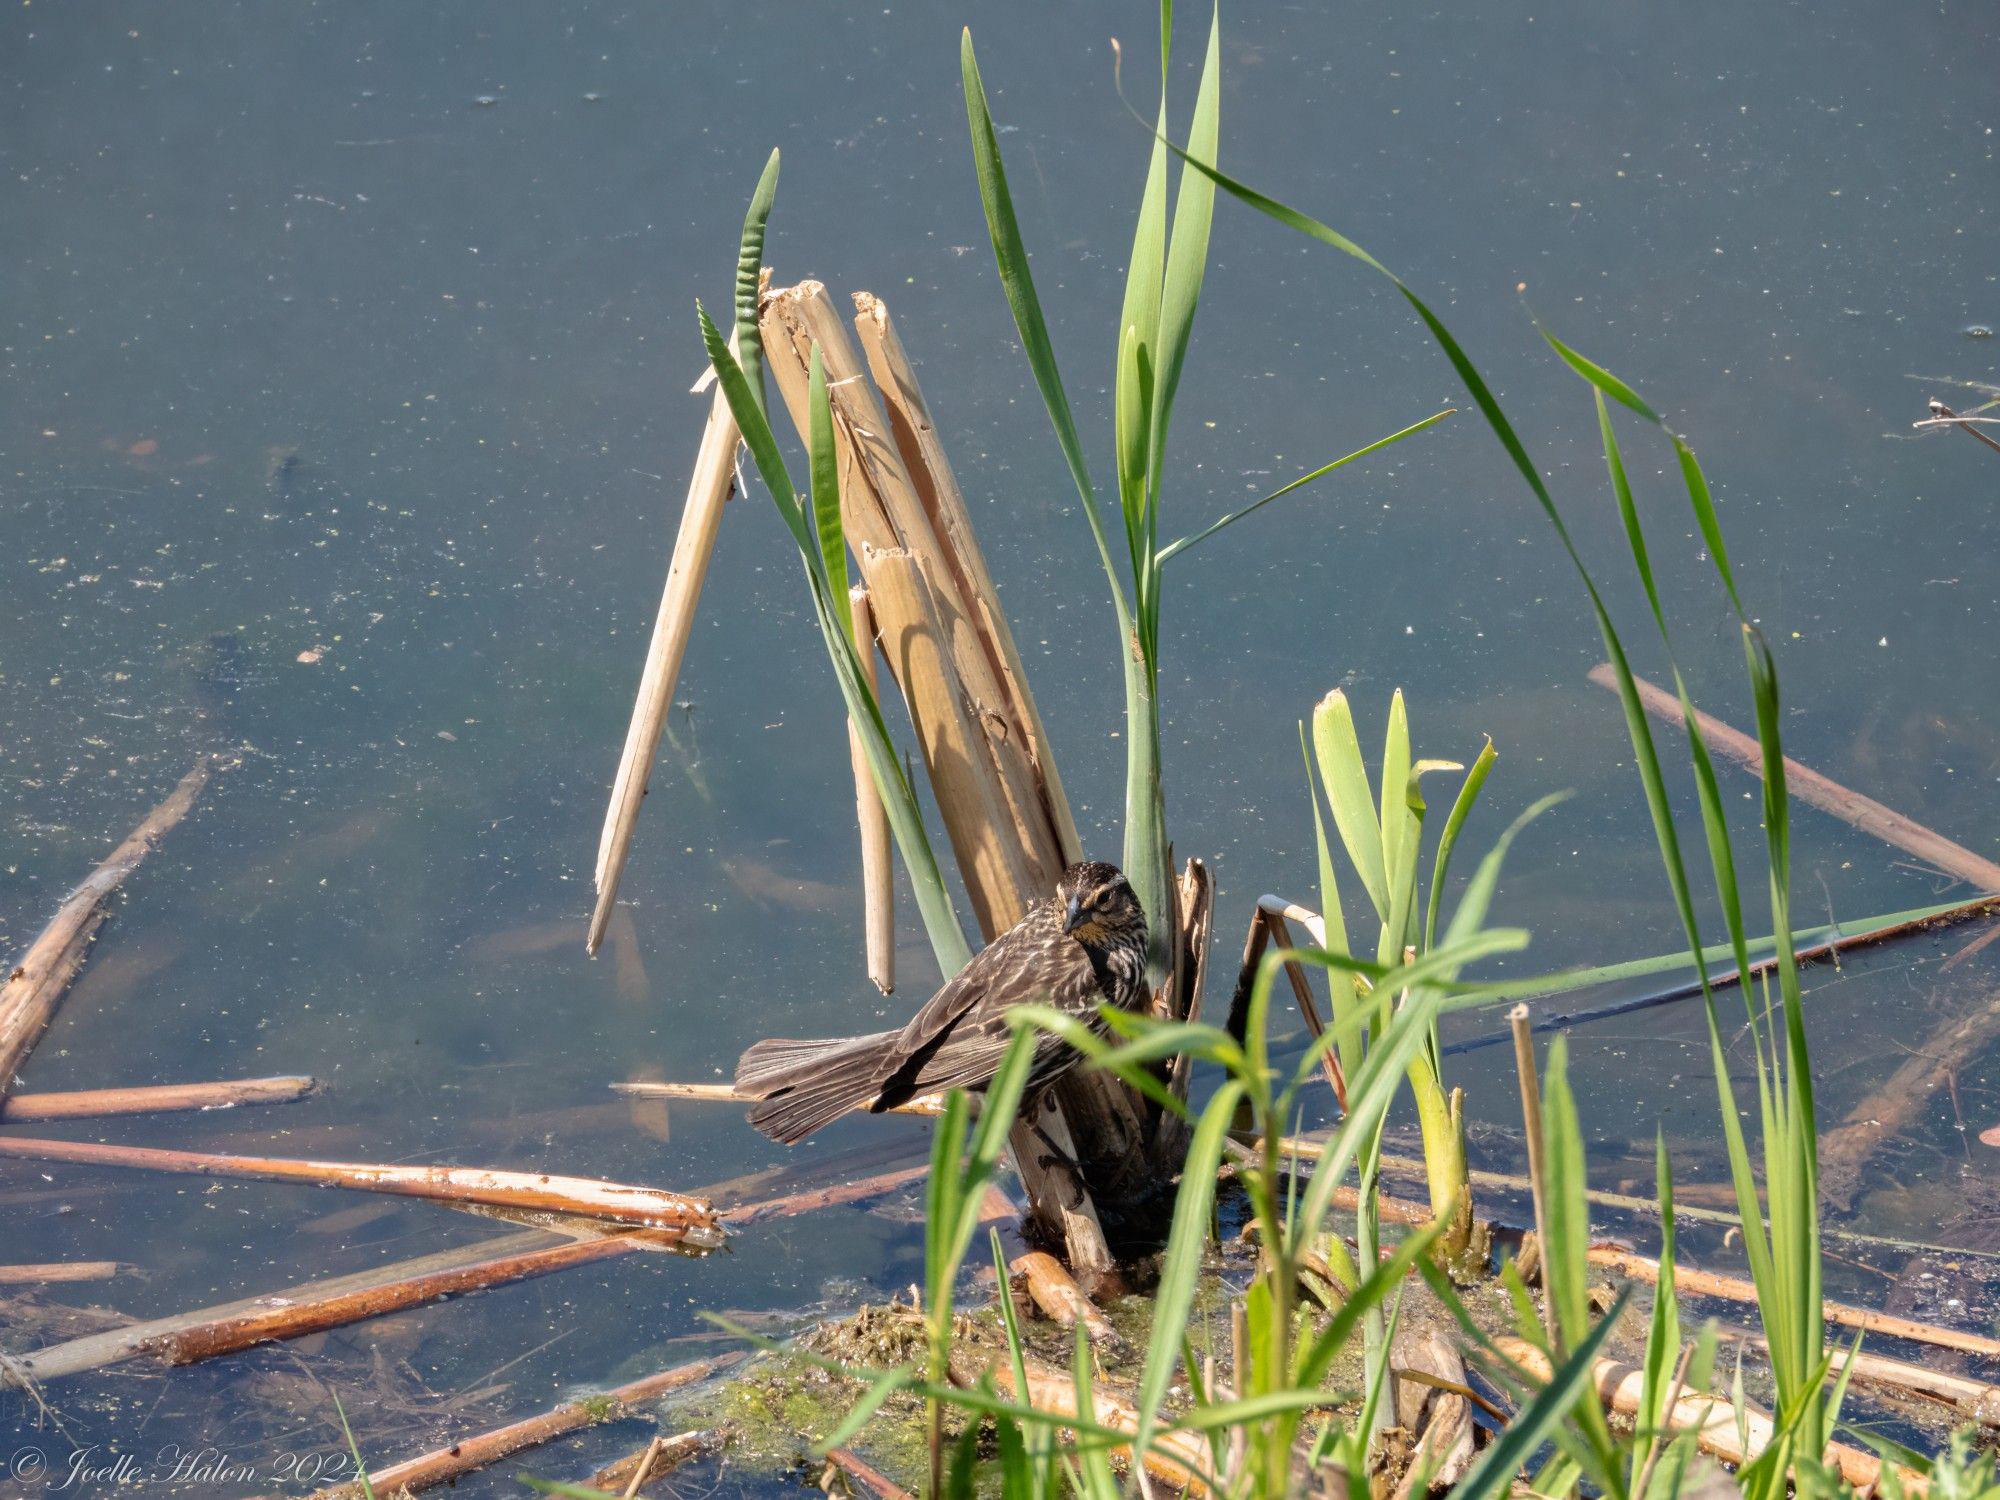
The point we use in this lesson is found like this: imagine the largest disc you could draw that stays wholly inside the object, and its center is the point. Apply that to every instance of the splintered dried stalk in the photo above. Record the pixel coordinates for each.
(701, 518)
(878, 877)
(84, 1104)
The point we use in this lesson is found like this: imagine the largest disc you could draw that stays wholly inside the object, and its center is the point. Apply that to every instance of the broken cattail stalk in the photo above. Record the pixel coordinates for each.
(923, 455)
(691, 1218)
(1807, 785)
(701, 518)
(1050, 1286)
(878, 877)
(84, 1104)
(1712, 1419)
(468, 1454)
(1180, 1458)
(62, 1270)
(34, 986)
(1430, 1377)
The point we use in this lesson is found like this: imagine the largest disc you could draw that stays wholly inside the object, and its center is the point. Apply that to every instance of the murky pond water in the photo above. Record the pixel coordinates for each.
(360, 334)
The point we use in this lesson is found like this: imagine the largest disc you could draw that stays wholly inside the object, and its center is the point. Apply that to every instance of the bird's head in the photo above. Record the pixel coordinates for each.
(1099, 906)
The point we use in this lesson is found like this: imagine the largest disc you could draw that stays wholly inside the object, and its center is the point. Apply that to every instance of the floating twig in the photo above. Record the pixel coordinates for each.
(691, 1218)
(1942, 415)
(726, 1093)
(1808, 786)
(1049, 1283)
(468, 1454)
(62, 1270)
(82, 1104)
(1736, 1289)
(34, 986)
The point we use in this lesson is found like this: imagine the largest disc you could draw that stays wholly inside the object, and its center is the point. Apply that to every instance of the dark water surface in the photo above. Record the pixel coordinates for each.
(360, 334)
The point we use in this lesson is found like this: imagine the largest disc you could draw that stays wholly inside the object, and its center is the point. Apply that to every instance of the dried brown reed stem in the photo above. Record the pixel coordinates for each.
(701, 518)
(467, 1454)
(84, 1104)
(1271, 922)
(1808, 786)
(34, 986)
(790, 1205)
(1050, 1286)
(132, 1341)
(674, 1213)
(1712, 1419)
(62, 1270)
(186, 1346)
(1736, 1289)
(878, 876)
(878, 1484)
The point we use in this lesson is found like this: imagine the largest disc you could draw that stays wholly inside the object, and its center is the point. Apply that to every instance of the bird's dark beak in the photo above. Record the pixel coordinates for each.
(1073, 918)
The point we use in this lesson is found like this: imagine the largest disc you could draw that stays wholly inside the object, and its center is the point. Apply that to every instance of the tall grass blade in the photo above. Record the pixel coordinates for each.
(749, 274)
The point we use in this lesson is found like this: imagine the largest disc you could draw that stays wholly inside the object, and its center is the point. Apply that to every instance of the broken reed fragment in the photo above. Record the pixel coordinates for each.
(442, 1465)
(86, 1104)
(878, 876)
(34, 986)
(694, 544)
(691, 1219)
(1828, 795)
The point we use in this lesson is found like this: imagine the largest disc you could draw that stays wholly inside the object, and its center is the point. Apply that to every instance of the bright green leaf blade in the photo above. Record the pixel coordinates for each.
(749, 274)
(826, 487)
(1345, 778)
(1461, 809)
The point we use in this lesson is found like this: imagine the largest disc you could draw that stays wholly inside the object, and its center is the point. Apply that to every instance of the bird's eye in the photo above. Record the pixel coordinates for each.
(1101, 896)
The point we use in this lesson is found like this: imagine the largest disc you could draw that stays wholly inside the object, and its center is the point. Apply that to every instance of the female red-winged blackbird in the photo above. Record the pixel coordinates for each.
(1085, 947)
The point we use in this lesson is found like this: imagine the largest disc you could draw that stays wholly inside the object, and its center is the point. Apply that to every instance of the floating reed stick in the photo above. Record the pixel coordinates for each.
(701, 518)
(1940, 413)
(878, 877)
(468, 1454)
(693, 1219)
(1712, 1419)
(1181, 1458)
(286, 1319)
(34, 986)
(62, 1270)
(1736, 1289)
(83, 1104)
(1050, 1286)
(1827, 795)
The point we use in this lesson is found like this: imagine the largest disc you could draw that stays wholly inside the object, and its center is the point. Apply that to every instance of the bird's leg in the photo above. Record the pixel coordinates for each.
(1056, 1156)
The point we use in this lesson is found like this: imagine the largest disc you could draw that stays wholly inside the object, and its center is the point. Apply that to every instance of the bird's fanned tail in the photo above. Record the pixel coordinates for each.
(800, 1086)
